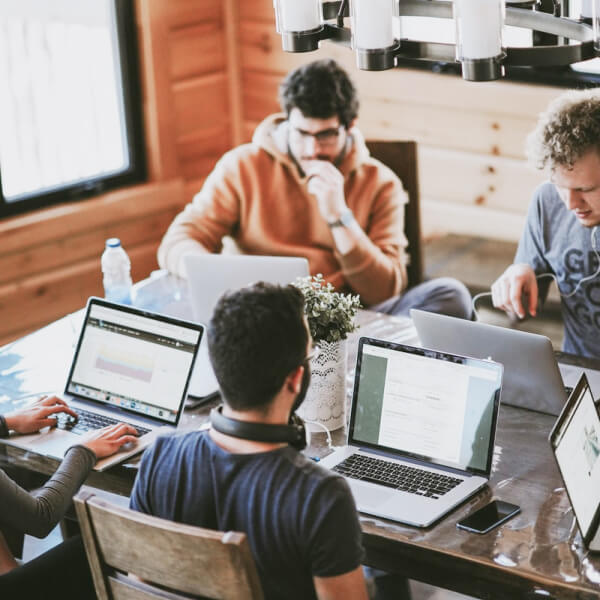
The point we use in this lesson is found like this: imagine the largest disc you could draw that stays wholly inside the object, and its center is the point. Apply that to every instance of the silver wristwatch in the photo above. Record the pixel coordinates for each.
(345, 220)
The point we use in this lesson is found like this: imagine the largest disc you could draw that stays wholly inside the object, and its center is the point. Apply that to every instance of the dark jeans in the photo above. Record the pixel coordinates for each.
(444, 296)
(62, 573)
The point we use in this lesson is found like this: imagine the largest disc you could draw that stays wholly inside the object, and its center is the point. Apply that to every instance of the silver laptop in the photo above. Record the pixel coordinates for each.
(129, 366)
(575, 441)
(210, 276)
(422, 430)
(532, 376)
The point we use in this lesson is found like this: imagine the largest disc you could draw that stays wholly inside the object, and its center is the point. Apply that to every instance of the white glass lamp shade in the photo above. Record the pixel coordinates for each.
(372, 23)
(596, 22)
(479, 26)
(294, 16)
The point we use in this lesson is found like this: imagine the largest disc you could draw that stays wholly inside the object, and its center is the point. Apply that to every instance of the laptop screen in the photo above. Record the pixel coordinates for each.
(134, 360)
(429, 405)
(576, 442)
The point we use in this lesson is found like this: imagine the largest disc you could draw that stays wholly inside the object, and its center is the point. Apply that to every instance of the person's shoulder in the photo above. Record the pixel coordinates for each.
(312, 472)
(547, 203)
(546, 191)
(176, 443)
(241, 155)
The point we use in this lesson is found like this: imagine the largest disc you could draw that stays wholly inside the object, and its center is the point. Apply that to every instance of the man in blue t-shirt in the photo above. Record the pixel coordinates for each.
(560, 236)
(300, 519)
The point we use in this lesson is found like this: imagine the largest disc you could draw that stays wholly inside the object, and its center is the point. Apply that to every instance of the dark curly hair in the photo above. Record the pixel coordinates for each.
(567, 130)
(257, 336)
(320, 90)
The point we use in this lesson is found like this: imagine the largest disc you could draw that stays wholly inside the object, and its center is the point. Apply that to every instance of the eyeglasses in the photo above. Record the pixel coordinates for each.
(325, 137)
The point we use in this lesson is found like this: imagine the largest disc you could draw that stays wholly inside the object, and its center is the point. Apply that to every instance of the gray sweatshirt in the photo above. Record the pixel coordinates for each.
(554, 241)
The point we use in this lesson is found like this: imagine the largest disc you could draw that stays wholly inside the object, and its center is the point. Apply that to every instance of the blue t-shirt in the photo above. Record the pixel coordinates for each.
(554, 241)
(300, 518)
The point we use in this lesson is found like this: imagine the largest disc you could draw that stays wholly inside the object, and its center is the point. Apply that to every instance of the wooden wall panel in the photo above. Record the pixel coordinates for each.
(495, 182)
(196, 51)
(200, 104)
(183, 13)
(50, 260)
(38, 300)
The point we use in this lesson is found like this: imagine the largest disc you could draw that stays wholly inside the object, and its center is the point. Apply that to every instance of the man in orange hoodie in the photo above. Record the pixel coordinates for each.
(306, 186)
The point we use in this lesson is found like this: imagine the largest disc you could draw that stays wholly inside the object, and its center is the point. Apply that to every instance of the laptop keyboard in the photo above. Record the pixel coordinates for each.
(87, 421)
(398, 476)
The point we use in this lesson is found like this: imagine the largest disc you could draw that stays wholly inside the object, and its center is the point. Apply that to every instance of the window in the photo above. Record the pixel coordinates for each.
(70, 118)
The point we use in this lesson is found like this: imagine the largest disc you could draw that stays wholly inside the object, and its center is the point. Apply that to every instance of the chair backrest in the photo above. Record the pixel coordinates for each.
(134, 556)
(401, 157)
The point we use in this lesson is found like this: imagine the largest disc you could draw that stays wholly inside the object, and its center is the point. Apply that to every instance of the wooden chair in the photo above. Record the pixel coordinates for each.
(168, 560)
(401, 157)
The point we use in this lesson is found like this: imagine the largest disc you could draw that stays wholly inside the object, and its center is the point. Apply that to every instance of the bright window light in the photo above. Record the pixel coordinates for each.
(61, 101)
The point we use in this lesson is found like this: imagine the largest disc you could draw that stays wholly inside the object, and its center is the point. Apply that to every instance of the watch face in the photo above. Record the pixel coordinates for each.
(346, 218)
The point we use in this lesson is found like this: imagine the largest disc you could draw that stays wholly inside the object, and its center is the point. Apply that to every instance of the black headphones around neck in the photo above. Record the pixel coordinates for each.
(294, 433)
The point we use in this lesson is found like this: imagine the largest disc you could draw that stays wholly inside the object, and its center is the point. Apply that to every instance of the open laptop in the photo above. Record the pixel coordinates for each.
(129, 366)
(210, 276)
(532, 377)
(422, 430)
(575, 441)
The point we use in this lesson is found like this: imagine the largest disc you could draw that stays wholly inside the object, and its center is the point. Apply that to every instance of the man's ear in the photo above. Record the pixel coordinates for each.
(294, 380)
(352, 123)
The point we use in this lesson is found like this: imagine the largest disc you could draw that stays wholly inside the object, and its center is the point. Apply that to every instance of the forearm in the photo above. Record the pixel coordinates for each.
(371, 272)
(37, 514)
(172, 250)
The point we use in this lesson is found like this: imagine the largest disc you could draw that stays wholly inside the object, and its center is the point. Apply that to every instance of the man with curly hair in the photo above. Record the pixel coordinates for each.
(560, 236)
(306, 186)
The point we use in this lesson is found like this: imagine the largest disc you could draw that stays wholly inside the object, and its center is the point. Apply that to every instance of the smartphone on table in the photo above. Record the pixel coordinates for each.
(491, 515)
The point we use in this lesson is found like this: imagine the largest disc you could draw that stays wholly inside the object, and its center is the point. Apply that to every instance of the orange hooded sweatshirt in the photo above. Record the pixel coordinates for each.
(257, 195)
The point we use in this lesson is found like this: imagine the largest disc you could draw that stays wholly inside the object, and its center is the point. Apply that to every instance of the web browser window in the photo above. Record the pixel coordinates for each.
(133, 361)
(426, 406)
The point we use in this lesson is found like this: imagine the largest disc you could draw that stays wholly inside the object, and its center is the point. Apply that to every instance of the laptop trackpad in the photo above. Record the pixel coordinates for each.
(53, 442)
(371, 497)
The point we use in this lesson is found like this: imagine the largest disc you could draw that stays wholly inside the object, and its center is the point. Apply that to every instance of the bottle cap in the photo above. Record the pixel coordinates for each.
(113, 242)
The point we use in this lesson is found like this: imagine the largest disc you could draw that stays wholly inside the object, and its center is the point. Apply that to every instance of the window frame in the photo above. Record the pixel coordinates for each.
(126, 31)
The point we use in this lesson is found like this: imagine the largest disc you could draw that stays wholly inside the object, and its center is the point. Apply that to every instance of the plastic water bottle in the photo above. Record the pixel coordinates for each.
(116, 268)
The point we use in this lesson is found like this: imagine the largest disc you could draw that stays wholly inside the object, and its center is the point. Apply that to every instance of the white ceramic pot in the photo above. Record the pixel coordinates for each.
(325, 401)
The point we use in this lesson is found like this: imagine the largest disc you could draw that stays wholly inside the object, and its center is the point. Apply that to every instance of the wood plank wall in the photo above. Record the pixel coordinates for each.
(50, 259)
(473, 174)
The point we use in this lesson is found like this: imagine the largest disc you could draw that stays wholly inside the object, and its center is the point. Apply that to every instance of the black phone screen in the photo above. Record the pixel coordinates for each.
(488, 517)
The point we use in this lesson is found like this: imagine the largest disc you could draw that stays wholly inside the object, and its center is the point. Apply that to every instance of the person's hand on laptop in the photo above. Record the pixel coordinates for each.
(37, 415)
(515, 284)
(108, 440)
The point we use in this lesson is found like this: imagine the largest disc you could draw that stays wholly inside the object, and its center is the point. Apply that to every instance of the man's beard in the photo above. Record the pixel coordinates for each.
(303, 388)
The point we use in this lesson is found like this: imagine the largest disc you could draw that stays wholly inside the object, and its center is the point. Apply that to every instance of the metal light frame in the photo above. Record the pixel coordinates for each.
(481, 70)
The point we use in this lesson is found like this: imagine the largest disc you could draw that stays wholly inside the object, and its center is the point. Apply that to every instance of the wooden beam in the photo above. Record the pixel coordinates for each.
(234, 77)
(159, 112)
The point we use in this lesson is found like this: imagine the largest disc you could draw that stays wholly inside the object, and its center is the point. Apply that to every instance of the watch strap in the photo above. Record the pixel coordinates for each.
(344, 220)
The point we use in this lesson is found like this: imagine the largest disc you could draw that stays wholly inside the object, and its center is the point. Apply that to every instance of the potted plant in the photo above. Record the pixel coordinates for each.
(330, 316)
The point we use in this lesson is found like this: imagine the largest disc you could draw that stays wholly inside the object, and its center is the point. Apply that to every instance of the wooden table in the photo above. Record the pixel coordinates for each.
(538, 554)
